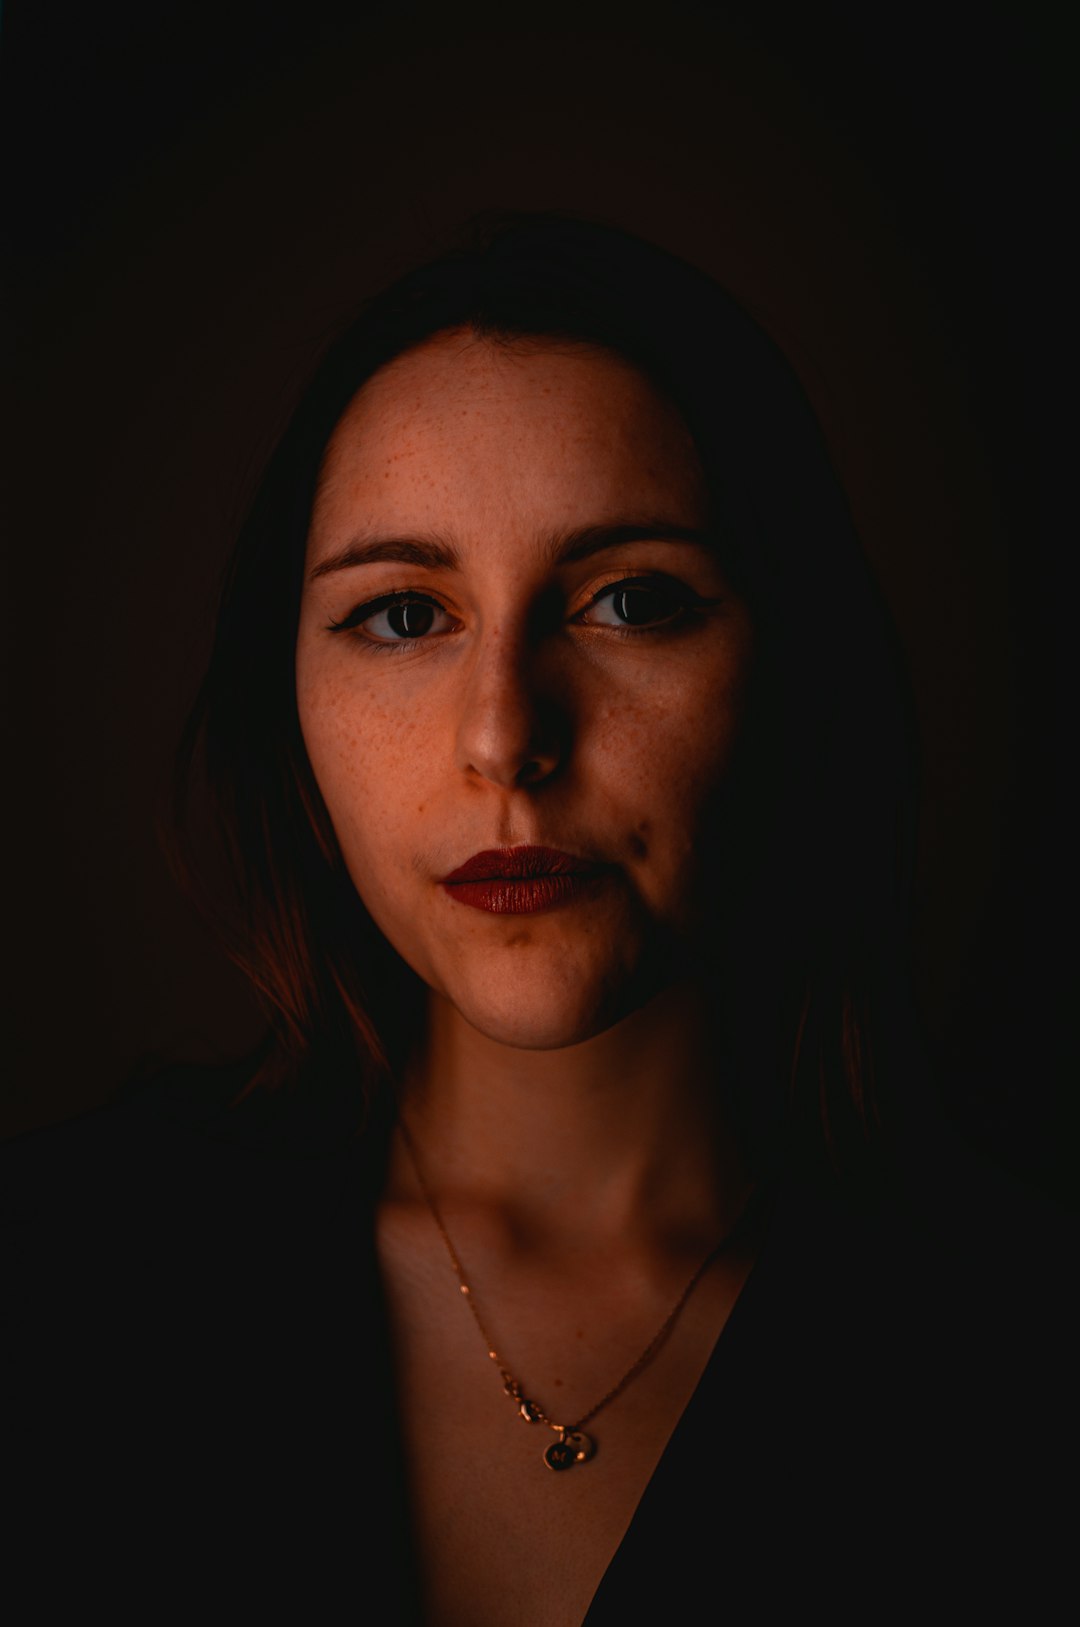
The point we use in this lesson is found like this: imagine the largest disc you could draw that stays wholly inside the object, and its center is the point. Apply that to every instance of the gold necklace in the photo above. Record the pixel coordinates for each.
(573, 1445)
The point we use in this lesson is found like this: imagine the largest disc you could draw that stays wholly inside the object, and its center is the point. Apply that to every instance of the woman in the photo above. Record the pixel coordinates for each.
(554, 731)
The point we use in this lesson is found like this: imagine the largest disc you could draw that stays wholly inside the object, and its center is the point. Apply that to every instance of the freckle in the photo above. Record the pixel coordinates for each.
(580, 1335)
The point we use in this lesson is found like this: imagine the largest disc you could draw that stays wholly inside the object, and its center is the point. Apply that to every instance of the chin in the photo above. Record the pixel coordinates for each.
(539, 1014)
(533, 1032)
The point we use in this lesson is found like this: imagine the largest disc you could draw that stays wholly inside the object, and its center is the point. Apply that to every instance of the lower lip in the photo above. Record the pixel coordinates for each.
(522, 895)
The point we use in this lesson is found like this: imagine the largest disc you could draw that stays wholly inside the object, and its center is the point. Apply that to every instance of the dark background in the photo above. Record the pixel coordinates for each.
(196, 194)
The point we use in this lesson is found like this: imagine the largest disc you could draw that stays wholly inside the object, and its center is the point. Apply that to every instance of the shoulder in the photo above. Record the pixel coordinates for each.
(928, 1362)
(934, 1288)
(996, 1248)
(188, 1190)
(188, 1214)
(181, 1124)
(191, 1297)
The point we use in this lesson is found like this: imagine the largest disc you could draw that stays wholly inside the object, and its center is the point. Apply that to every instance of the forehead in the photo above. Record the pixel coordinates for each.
(469, 427)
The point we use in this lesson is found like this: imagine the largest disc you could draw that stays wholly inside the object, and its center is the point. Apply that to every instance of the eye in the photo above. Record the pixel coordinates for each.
(638, 602)
(396, 618)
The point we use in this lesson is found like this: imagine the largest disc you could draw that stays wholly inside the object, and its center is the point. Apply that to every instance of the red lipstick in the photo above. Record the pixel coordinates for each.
(521, 880)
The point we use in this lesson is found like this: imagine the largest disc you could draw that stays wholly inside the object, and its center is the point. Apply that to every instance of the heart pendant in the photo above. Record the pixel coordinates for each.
(584, 1447)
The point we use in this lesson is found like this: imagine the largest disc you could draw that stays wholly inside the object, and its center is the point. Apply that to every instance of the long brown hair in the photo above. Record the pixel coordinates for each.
(810, 948)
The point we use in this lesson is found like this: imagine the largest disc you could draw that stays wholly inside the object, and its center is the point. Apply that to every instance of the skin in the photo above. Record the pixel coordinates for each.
(563, 1094)
(528, 713)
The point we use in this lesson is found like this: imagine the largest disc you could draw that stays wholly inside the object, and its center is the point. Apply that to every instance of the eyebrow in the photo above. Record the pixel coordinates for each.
(563, 547)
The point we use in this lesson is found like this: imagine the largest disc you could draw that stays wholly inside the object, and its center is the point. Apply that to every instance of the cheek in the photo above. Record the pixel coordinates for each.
(668, 767)
(368, 760)
(675, 745)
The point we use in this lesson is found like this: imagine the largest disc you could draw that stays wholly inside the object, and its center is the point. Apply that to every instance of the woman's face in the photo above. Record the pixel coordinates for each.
(515, 635)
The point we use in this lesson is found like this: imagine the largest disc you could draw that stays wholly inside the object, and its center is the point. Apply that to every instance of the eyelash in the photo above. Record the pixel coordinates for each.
(683, 599)
(372, 607)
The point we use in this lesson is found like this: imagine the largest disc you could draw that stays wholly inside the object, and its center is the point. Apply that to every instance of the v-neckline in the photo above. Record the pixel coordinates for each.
(599, 1611)
(653, 1494)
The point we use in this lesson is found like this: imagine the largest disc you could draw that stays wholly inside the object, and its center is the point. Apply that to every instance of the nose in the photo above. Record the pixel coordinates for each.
(511, 730)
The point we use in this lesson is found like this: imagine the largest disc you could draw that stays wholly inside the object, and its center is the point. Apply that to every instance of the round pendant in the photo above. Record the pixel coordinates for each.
(560, 1455)
(582, 1445)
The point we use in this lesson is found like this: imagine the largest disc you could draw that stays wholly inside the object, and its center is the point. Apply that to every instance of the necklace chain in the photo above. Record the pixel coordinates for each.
(573, 1445)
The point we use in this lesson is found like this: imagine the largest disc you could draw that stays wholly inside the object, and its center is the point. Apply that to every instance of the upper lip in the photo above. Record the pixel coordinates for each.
(518, 864)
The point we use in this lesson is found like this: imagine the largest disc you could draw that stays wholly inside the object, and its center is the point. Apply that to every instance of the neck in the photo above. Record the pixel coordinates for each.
(624, 1133)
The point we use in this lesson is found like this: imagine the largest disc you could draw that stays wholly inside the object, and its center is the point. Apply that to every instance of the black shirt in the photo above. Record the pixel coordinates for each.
(203, 1414)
